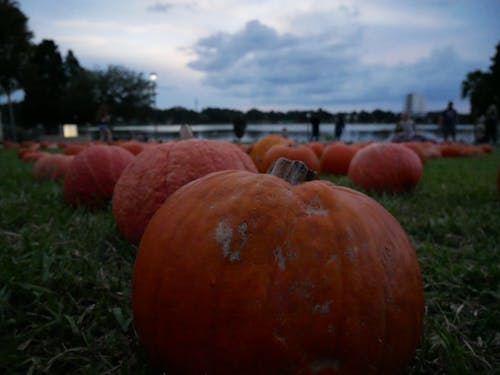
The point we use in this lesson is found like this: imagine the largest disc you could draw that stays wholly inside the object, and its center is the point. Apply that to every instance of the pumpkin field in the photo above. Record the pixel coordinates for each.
(66, 269)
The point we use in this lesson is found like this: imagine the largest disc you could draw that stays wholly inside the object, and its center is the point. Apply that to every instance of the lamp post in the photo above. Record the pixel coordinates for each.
(152, 79)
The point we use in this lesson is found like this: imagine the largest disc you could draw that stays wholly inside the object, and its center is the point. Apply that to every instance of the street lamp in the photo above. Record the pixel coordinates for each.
(152, 79)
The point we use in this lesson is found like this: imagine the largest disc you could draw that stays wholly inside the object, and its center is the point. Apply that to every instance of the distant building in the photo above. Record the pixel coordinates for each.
(414, 105)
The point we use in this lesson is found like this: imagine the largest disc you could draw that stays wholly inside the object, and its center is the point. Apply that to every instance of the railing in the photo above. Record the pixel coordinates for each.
(299, 132)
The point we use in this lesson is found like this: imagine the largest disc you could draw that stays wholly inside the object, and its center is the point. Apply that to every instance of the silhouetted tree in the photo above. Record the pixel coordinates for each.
(126, 94)
(44, 81)
(219, 115)
(14, 46)
(483, 87)
(79, 102)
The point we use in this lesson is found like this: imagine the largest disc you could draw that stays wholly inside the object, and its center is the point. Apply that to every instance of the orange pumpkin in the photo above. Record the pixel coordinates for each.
(431, 150)
(133, 146)
(51, 167)
(92, 175)
(317, 147)
(387, 167)
(451, 150)
(293, 152)
(10, 144)
(22, 151)
(260, 148)
(418, 148)
(487, 148)
(336, 158)
(159, 171)
(74, 148)
(34, 155)
(242, 273)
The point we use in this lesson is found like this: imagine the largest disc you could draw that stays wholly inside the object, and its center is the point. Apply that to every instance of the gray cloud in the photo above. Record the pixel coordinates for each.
(270, 68)
(160, 7)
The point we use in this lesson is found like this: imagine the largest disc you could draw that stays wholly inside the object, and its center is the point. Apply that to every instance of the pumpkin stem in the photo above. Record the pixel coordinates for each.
(186, 132)
(292, 171)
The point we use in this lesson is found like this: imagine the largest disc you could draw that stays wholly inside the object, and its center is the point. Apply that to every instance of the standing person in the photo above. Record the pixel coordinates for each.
(315, 121)
(407, 126)
(490, 123)
(448, 122)
(284, 132)
(339, 126)
(104, 129)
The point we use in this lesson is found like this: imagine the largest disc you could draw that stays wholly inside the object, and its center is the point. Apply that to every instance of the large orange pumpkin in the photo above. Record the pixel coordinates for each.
(336, 158)
(387, 167)
(157, 172)
(92, 174)
(242, 273)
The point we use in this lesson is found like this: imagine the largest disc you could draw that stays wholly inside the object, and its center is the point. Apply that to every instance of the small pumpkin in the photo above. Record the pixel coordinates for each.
(388, 167)
(74, 148)
(302, 153)
(243, 273)
(52, 166)
(317, 147)
(10, 144)
(418, 148)
(260, 148)
(159, 171)
(336, 158)
(22, 151)
(92, 175)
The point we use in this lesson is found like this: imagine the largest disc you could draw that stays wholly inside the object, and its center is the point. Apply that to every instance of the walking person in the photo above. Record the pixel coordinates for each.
(315, 121)
(448, 122)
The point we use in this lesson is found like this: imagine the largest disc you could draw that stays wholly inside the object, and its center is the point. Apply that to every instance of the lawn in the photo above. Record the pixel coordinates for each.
(65, 274)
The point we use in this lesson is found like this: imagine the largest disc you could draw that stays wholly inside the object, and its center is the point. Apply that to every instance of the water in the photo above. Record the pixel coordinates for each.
(299, 132)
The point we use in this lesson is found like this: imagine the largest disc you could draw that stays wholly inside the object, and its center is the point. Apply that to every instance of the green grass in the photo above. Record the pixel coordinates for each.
(65, 274)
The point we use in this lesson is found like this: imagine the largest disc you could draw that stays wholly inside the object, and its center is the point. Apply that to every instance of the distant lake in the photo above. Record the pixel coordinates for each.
(299, 132)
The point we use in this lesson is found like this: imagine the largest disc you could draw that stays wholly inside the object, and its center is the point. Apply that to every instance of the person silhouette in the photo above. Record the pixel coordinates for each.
(490, 123)
(315, 121)
(104, 129)
(448, 122)
(339, 126)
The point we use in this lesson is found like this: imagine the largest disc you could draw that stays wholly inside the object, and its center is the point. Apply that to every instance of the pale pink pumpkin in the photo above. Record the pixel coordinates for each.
(159, 171)
(51, 167)
(92, 174)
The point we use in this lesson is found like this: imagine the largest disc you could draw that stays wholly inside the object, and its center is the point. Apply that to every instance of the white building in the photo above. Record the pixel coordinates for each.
(414, 105)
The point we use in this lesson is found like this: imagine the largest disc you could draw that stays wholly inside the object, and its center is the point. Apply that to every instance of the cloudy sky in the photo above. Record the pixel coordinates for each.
(281, 54)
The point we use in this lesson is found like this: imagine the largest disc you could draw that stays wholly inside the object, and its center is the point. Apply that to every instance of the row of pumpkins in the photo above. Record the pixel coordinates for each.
(254, 273)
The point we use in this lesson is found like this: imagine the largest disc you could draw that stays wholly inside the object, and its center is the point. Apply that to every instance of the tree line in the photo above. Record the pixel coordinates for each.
(57, 90)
